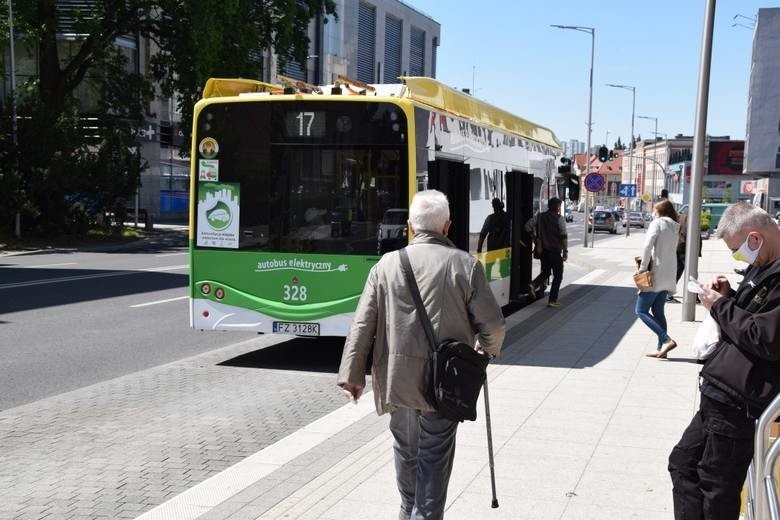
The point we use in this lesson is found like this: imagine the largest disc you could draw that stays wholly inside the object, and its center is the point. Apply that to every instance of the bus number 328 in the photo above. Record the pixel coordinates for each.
(294, 293)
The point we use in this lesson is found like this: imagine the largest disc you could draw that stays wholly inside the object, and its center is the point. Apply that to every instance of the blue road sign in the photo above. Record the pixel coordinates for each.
(628, 190)
(594, 182)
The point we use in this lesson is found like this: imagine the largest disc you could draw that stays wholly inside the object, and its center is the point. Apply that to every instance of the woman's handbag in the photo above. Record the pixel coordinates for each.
(643, 279)
(457, 370)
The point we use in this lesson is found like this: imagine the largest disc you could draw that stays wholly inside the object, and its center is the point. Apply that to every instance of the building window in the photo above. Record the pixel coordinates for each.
(292, 69)
(434, 48)
(417, 52)
(777, 158)
(393, 38)
(366, 48)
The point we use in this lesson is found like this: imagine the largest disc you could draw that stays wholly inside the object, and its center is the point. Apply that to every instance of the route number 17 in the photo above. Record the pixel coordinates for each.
(305, 120)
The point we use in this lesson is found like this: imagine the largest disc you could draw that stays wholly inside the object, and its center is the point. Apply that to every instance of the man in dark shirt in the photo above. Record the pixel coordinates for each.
(550, 226)
(709, 463)
(496, 228)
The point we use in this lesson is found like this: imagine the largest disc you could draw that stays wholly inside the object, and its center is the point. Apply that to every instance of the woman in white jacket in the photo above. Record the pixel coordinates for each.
(661, 248)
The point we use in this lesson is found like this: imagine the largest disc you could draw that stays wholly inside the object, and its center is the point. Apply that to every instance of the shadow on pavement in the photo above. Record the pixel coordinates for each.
(305, 354)
(24, 289)
(582, 333)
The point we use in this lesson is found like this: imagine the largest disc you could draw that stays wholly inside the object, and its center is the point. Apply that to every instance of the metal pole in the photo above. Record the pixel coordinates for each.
(699, 137)
(590, 128)
(655, 154)
(631, 157)
(494, 502)
(14, 133)
(592, 32)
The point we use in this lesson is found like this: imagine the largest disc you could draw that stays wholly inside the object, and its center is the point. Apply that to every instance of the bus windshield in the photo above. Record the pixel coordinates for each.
(309, 176)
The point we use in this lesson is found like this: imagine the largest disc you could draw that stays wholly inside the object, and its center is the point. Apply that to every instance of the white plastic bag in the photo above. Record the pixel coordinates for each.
(706, 338)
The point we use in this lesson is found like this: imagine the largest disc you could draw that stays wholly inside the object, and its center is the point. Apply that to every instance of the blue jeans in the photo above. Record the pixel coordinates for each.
(424, 451)
(653, 302)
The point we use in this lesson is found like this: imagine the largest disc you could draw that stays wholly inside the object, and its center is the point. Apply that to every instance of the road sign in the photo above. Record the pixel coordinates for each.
(594, 182)
(628, 190)
(646, 197)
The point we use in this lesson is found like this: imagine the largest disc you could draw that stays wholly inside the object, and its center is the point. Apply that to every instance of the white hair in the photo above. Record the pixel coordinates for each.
(742, 216)
(429, 211)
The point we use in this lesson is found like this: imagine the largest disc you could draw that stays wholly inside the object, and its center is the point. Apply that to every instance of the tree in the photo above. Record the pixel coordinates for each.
(619, 145)
(74, 160)
(200, 39)
(77, 117)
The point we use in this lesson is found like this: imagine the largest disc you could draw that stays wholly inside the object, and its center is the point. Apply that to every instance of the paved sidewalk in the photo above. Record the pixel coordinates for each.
(582, 422)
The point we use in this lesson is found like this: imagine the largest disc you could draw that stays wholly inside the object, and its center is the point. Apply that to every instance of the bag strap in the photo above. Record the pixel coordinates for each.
(406, 267)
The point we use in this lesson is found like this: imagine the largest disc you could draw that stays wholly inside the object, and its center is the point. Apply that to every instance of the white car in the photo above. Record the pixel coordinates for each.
(391, 234)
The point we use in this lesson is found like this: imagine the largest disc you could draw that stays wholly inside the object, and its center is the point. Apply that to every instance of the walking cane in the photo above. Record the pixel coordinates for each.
(494, 503)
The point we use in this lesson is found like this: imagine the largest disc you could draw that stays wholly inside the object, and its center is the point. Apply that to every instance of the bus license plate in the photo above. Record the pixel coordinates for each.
(299, 329)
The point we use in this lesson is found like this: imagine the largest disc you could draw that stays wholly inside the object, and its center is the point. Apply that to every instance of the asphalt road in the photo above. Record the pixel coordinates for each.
(69, 319)
(576, 231)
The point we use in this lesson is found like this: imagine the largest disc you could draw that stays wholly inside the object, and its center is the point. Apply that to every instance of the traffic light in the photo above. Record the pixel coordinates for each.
(574, 189)
(614, 154)
(565, 165)
(603, 154)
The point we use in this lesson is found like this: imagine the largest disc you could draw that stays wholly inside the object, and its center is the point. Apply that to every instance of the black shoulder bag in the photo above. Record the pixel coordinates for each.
(458, 371)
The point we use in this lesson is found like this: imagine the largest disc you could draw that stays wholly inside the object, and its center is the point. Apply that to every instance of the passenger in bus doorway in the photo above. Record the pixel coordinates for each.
(496, 229)
(550, 226)
(461, 306)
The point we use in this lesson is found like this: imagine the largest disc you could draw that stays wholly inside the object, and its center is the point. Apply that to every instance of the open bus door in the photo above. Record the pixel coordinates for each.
(452, 179)
(520, 201)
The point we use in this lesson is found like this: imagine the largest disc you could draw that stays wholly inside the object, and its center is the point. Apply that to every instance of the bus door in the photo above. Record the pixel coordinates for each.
(452, 179)
(520, 207)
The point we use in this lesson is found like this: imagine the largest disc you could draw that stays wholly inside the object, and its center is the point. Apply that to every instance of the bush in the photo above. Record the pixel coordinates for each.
(704, 222)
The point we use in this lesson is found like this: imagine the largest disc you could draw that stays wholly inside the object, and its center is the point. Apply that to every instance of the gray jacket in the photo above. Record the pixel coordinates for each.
(460, 305)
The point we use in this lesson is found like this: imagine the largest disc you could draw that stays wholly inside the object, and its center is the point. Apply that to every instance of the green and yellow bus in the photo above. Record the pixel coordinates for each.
(296, 192)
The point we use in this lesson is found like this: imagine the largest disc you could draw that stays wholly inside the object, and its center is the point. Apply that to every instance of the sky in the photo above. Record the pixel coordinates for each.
(507, 51)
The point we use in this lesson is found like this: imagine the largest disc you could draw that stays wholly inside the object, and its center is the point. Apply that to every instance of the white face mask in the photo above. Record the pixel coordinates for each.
(745, 254)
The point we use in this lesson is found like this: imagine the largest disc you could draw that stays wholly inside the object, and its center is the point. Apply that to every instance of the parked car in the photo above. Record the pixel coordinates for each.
(603, 220)
(634, 219)
(391, 234)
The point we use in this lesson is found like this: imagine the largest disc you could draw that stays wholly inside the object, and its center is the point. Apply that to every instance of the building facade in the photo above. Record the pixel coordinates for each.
(762, 137)
(373, 41)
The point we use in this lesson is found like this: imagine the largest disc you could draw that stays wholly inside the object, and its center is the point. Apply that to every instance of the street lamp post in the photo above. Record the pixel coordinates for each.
(630, 157)
(655, 151)
(592, 32)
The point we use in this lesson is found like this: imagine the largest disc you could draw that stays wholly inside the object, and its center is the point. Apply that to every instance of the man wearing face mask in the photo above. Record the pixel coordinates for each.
(709, 463)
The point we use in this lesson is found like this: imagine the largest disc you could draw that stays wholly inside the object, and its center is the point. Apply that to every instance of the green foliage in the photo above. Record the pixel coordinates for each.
(728, 195)
(71, 166)
(704, 220)
(203, 39)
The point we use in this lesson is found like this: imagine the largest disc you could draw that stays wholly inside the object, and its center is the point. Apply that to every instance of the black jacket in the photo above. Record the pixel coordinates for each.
(746, 363)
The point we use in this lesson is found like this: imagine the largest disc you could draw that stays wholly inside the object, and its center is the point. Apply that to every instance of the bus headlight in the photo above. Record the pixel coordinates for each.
(205, 288)
(219, 293)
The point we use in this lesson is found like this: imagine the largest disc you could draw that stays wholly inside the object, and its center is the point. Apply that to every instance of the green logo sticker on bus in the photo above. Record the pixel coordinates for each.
(218, 214)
